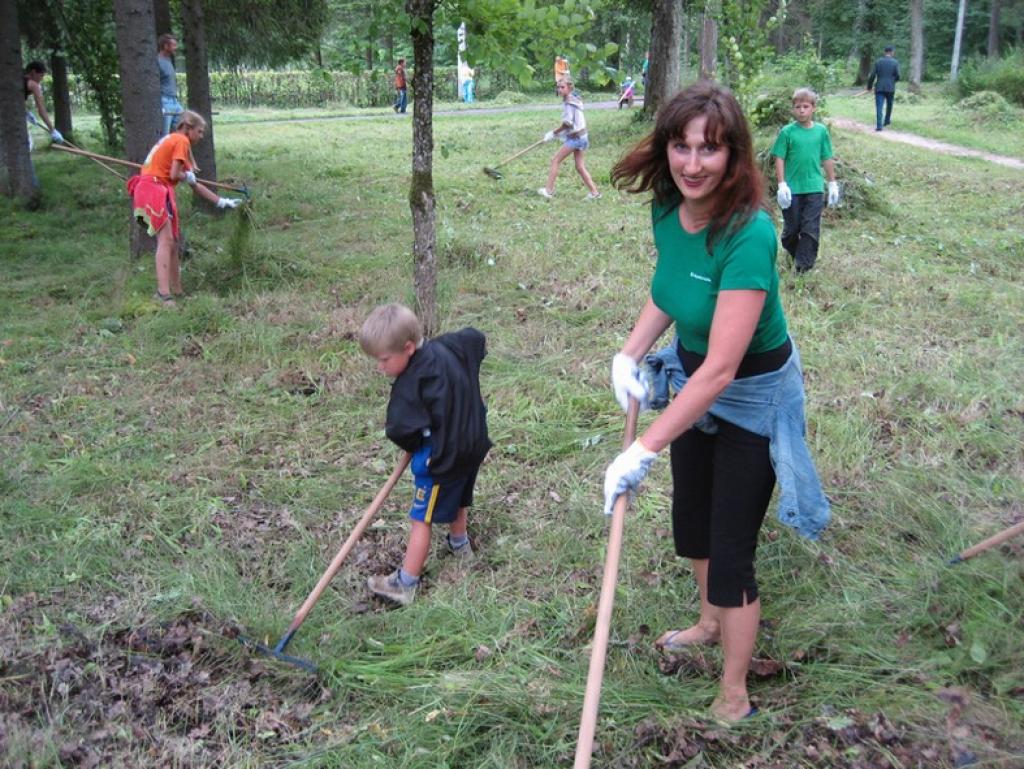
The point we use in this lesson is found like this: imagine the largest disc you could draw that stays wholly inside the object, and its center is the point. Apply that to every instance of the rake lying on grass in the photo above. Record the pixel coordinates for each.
(277, 652)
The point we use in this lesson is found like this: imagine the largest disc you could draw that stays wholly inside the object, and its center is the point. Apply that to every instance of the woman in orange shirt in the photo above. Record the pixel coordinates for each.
(169, 162)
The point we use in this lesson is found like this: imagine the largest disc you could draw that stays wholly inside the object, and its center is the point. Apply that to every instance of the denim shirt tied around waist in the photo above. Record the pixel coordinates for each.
(770, 405)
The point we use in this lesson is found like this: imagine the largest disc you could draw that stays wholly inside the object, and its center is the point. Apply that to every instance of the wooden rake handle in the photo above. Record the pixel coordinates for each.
(520, 153)
(985, 544)
(599, 649)
(130, 164)
(353, 538)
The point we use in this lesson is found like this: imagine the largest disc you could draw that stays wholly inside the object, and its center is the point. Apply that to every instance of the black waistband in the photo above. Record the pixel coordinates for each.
(753, 363)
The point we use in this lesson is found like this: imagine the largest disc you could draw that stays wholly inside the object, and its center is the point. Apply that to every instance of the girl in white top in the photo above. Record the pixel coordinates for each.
(573, 131)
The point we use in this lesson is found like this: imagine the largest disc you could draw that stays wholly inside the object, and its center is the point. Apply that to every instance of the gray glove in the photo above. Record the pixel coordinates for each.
(228, 202)
(549, 136)
(56, 136)
(190, 177)
(625, 473)
(784, 196)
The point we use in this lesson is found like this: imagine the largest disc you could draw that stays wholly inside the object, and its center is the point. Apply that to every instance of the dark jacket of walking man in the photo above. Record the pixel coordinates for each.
(883, 77)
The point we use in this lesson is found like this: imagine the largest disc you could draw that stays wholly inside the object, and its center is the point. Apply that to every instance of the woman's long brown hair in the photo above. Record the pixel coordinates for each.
(645, 168)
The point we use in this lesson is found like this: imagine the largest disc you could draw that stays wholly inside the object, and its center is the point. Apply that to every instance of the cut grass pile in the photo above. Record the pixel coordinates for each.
(173, 477)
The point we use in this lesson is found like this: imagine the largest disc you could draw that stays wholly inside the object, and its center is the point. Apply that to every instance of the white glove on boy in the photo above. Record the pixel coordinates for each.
(784, 196)
(833, 194)
(228, 202)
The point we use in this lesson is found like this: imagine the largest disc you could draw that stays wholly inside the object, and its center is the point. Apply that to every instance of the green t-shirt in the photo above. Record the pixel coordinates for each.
(687, 278)
(803, 149)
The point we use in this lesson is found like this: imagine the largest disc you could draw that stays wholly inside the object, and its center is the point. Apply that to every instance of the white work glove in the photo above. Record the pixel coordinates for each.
(627, 382)
(549, 136)
(228, 202)
(56, 136)
(784, 196)
(625, 473)
(833, 194)
(190, 177)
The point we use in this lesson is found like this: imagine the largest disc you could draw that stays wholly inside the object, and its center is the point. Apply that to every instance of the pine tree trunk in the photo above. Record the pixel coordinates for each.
(858, 50)
(162, 22)
(421, 192)
(197, 78)
(140, 92)
(916, 45)
(993, 29)
(663, 74)
(16, 178)
(61, 97)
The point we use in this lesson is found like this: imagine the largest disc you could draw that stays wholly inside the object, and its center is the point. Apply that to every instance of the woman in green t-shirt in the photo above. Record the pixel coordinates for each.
(716, 281)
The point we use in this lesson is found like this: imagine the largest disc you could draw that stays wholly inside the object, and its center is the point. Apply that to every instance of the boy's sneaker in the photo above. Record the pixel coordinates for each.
(593, 195)
(543, 192)
(390, 586)
(463, 552)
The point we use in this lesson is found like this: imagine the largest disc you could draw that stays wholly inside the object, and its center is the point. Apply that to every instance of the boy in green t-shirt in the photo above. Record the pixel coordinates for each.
(802, 149)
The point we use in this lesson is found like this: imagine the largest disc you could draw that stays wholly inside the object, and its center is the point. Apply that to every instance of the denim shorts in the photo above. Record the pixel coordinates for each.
(580, 143)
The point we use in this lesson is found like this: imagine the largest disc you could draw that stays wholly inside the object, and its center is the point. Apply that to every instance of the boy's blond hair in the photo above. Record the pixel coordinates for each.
(388, 327)
(805, 94)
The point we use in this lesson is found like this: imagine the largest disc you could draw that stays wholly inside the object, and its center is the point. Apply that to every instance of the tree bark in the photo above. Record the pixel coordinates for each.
(61, 97)
(421, 192)
(993, 29)
(916, 45)
(140, 92)
(16, 177)
(162, 23)
(859, 50)
(663, 74)
(708, 47)
(197, 79)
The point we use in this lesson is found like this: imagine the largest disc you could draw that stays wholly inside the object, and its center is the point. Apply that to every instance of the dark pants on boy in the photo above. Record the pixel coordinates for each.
(802, 228)
(883, 98)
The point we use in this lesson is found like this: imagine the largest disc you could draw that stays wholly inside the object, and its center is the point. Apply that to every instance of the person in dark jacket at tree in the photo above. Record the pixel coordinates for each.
(883, 77)
(437, 414)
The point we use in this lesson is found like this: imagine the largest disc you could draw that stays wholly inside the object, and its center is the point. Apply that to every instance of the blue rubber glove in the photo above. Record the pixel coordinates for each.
(625, 473)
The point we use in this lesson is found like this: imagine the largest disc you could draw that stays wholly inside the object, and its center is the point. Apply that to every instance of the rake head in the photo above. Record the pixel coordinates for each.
(494, 173)
(277, 652)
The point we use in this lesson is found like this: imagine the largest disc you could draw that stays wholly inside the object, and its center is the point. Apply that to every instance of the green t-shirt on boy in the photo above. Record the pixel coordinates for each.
(687, 278)
(803, 149)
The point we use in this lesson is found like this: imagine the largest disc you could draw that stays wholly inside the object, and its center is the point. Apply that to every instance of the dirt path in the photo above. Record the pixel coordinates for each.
(929, 144)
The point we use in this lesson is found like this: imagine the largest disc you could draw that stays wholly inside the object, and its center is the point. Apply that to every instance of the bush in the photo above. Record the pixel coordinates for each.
(1005, 76)
(986, 107)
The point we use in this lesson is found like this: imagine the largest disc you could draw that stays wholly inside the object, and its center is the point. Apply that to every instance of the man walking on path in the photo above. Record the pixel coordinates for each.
(883, 77)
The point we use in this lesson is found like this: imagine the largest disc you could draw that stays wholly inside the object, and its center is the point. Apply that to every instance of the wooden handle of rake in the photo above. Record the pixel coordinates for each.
(592, 695)
(985, 544)
(357, 532)
(130, 164)
(520, 153)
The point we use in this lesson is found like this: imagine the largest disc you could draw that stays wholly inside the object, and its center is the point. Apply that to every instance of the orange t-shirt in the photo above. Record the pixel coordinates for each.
(399, 76)
(174, 146)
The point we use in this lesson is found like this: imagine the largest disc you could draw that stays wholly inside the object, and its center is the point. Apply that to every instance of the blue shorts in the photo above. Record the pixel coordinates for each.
(434, 501)
(580, 143)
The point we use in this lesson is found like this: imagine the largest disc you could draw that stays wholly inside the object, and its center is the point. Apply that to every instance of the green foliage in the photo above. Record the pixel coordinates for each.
(772, 109)
(263, 32)
(1004, 75)
(745, 44)
(985, 108)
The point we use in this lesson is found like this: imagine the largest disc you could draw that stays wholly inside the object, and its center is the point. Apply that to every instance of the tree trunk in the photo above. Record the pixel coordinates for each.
(709, 42)
(16, 177)
(663, 73)
(684, 62)
(197, 79)
(954, 66)
(916, 45)
(61, 97)
(140, 91)
(858, 50)
(421, 192)
(162, 24)
(993, 29)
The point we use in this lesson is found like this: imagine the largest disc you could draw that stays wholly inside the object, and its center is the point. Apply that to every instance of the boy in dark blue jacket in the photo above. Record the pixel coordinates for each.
(437, 414)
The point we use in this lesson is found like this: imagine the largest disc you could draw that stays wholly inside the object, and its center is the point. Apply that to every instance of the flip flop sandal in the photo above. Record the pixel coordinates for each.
(668, 646)
(166, 299)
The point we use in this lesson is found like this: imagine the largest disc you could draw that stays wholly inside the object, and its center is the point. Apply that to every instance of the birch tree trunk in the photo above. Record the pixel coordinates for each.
(916, 45)
(197, 78)
(663, 74)
(16, 178)
(140, 94)
(954, 66)
(709, 42)
(421, 192)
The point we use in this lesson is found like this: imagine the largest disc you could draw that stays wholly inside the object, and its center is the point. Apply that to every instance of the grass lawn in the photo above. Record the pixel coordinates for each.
(171, 478)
